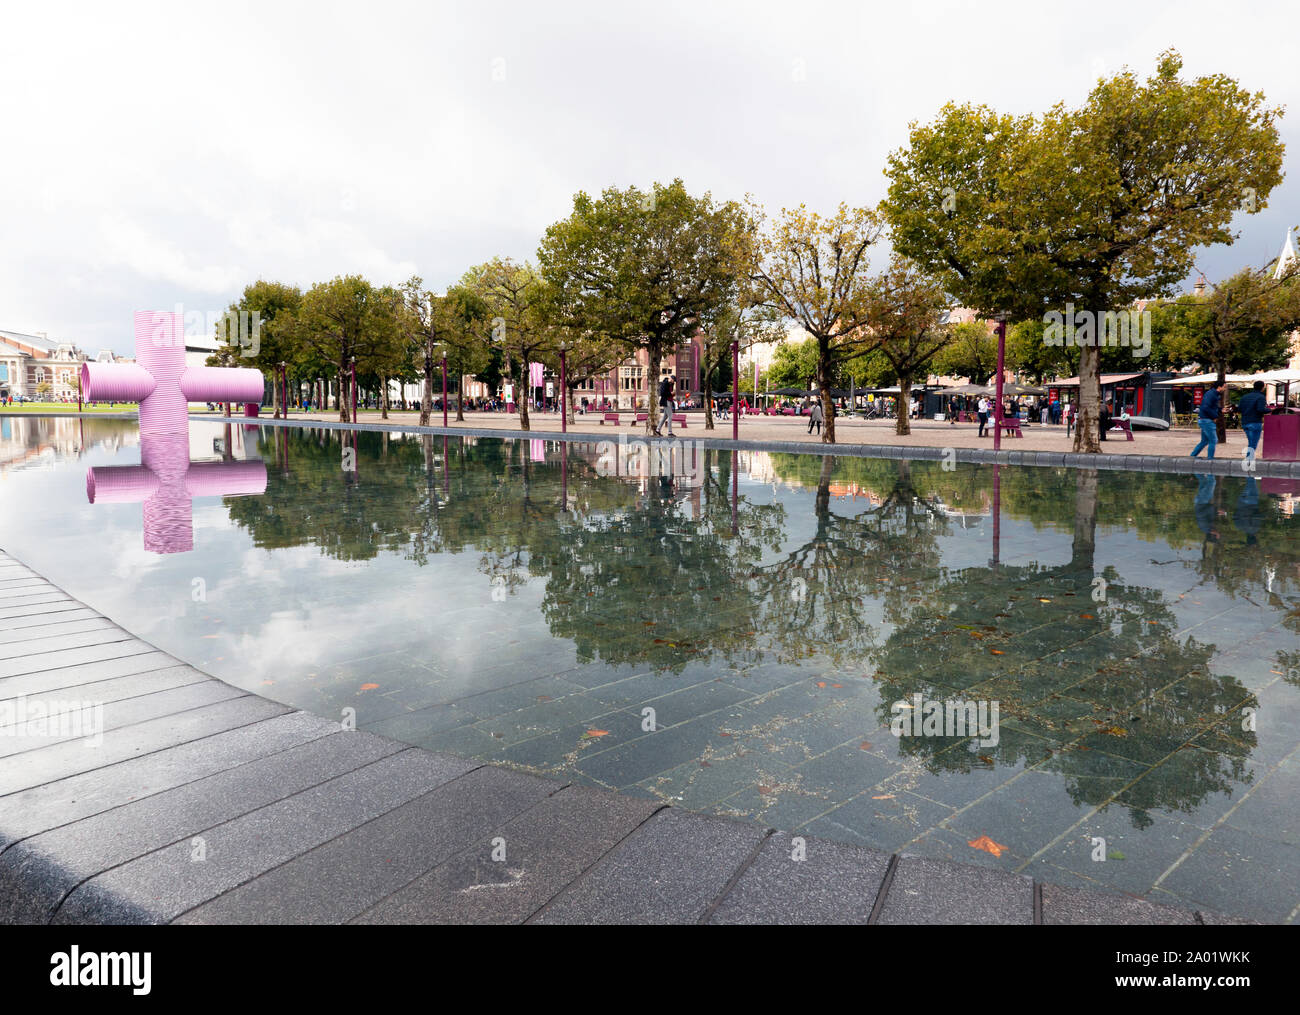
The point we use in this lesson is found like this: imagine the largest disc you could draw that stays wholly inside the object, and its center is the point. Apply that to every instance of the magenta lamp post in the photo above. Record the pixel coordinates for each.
(997, 401)
(564, 410)
(735, 390)
(354, 390)
(443, 350)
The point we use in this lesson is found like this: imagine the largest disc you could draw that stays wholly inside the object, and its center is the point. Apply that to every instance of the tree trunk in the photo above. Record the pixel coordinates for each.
(275, 396)
(903, 414)
(345, 394)
(708, 394)
(383, 398)
(426, 396)
(1083, 549)
(524, 394)
(1221, 424)
(1086, 433)
(652, 389)
(824, 383)
(460, 398)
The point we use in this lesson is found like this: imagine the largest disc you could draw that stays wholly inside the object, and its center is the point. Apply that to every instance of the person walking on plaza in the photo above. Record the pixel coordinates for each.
(1206, 415)
(665, 406)
(1253, 409)
(952, 410)
(815, 417)
(1044, 414)
(982, 411)
(1103, 421)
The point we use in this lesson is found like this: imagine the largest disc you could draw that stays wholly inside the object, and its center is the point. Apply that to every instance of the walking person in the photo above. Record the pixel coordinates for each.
(1253, 409)
(815, 417)
(1206, 416)
(982, 412)
(1103, 421)
(665, 406)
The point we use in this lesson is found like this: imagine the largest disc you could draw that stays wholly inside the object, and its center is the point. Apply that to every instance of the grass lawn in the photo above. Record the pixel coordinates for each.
(48, 408)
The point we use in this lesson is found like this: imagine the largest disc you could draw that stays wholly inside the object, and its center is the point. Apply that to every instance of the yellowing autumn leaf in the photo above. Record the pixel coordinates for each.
(987, 844)
(368, 687)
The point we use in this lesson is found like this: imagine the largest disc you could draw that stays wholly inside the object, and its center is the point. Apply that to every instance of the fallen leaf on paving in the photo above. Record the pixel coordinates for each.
(987, 844)
(884, 796)
(543, 697)
(596, 733)
(368, 687)
(865, 745)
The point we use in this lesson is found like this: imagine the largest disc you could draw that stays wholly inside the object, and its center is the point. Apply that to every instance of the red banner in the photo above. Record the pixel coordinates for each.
(1197, 395)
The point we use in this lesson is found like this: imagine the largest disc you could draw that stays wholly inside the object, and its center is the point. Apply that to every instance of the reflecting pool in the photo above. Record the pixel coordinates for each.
(1090, 677)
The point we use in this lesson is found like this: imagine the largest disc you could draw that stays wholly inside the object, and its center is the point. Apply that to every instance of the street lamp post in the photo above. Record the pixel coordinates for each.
(443, 350)
(997, 399)
(564, 409)
(284, 389)
(735, 390)
(354, 390)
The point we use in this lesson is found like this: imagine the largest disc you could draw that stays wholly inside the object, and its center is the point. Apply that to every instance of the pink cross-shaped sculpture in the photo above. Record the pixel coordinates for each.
(159, 379)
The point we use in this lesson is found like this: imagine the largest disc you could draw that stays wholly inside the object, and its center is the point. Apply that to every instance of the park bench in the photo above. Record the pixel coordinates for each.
(680, 418)
(610, 417)
(1009, 426)
(641, 417)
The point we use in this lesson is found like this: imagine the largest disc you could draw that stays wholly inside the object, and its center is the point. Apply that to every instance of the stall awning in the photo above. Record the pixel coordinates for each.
(1073, 382)
(1200, 380)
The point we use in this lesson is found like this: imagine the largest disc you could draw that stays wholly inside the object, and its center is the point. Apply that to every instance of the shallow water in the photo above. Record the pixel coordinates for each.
(737, 633)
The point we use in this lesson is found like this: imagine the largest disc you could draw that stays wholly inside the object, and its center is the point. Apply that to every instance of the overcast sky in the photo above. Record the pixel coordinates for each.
(157, 155)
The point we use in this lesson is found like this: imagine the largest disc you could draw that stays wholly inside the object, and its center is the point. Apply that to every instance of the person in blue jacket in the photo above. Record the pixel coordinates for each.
(1253, 409)
(1211, 406)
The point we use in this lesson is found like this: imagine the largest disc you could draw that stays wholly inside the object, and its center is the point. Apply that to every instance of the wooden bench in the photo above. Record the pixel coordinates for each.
(609, 417)
(1009, 426)
(680, 418)
(641, 417)
(1122, 424)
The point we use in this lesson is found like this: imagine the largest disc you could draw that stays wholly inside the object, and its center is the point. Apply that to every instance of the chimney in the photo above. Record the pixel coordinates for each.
(1199, 288)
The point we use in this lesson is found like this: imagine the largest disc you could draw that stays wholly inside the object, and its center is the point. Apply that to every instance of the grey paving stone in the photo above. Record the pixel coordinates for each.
(53, 643)
(547, 847)
(835, 883)
(937, 892)
(36, 874)
(54, 804)
(669, 870)
(18, 627)
(73, 625)
(111, 690)
(73, 676)
(59, 761)
(161, 886)
(1076, 905)
(73, 657)
(9, 604)
(342, 878)
(1219, 920)
(41, 610)
(119, 714)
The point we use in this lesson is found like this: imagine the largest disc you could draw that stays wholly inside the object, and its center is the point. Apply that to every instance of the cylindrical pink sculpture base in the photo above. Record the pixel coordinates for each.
(115, 382)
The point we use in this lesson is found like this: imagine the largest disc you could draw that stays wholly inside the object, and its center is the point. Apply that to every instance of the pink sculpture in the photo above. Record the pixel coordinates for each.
(159, 379)
(165, 481)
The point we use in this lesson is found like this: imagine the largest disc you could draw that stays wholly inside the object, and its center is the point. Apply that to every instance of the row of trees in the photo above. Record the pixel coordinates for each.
(1098, 207)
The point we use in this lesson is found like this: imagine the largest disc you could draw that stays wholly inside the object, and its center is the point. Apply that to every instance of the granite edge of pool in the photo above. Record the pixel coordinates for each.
(204, 803)
(1169, 464)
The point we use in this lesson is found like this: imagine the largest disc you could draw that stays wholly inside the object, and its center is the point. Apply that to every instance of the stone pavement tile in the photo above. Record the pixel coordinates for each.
(1139, 847)
(1064, 906)
(71, 625)
(74, 676)
(844, 772)
(935, 892)
(944, 844)
(59, 761)
(547, 847)
(49, 644)
(1033, 809)
(1234, 872)
(121, 714)
(832, 883)
(1271, 810)
(103, 691)
(700, 783)
(670, 870)
(35, 616)
(54, 804)
(422, 723)
(652, 754)
(164, 884)
(36, 874)
(339, 879)
(72, 657)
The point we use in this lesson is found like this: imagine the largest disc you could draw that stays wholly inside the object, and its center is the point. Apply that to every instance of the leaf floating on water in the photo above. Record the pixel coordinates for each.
(1041, 599)
(865, 745)
(1115, 731)
(1087, 616)
(649, 623)
(986, 759)
(543, 697)
(821, 683)
(997, 652)
(837, 685)
(368, 687)
(884, 796)
(987, 844)
(593, 734)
